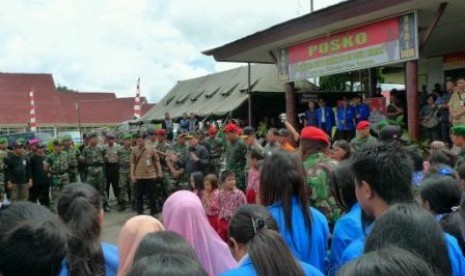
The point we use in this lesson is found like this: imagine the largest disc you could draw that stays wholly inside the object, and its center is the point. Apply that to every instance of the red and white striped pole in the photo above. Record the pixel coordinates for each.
(137, 101)
(32, 113)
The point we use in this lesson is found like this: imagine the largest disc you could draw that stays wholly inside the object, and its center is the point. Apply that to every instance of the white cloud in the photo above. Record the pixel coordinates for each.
(106, 45)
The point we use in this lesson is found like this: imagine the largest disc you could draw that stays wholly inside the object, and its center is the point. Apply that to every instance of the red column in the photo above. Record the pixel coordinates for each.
(290, 104)
(411, 77)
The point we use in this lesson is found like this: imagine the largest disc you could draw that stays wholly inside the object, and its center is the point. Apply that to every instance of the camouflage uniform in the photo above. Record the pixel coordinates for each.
(73, 165)
(318, 167)
(94, 158)
(235, 161)
(3, 155)
(182, 182)
(217, 150)
(58, 163)
(357, 143)
(168, 180)
(125, 183)
(460, 158)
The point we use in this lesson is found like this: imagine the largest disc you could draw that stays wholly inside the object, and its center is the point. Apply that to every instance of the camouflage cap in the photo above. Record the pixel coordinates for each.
(56, 142)
(458, 130)
(66, 138)
(3, 140)
(20, 142)
(91, 135)
(110, 135)
(127, 136)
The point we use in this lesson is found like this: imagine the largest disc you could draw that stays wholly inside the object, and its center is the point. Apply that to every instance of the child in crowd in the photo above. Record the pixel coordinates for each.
(197, 183)
(229, 199)
(253, 181)
(210, 199)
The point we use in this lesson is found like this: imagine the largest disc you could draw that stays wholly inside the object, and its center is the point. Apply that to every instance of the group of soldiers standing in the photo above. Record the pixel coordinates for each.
(44, 173)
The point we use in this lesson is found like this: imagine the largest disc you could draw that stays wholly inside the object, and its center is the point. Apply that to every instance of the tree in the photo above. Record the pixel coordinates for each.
(348, 81)
(64, 88)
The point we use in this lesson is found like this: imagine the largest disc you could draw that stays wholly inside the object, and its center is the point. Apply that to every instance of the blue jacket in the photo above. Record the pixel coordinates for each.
(110, 254)
(363, 110)
(347, 229)
(457, 261)
(307, 246)
(329, 122)
(346, 115)
(246, 268)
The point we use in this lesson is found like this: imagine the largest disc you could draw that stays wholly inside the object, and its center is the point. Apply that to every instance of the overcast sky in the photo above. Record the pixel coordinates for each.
(105, 45)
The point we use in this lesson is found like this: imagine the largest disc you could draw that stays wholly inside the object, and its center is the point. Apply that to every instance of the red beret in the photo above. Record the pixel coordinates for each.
(363, 125)
(212, 130)
(314, 134)
(160, 132)
(232, 128)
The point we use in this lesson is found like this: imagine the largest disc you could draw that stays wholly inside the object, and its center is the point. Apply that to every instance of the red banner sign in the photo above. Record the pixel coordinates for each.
(384, 42)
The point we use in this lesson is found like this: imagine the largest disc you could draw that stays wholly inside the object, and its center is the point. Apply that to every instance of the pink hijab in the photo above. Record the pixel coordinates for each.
(183, 213)
(130, 236)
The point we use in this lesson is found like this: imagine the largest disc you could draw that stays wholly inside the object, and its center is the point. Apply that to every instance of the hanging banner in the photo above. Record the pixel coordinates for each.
(454, 61)
(385, 42)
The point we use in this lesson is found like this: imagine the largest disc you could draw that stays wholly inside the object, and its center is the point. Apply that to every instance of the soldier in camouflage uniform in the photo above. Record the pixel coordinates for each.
(236, 154)
(363, 136)
(3, 155)
(163, 148)
(74, 153)
(318, 167)
(126, 186)
(94, 157)
(57, 165)
(458, 139)
(217, 150)
(179, 154)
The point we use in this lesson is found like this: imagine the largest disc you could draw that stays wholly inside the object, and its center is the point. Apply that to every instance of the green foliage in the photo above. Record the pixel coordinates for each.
(348, 81)
(63, 88)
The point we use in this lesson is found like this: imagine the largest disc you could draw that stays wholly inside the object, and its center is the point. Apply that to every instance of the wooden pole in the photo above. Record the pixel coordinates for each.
(291, 113)
(411, 76)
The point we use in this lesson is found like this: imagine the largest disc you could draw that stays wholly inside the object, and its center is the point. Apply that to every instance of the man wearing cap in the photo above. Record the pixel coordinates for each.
(363, 136)
(216, 150)
(389, 134)
(18, 172)
(272, 140)
(112, 166)
(94, 157)
(57, 166)
(251, 142)
(314, 143)
(146, 175)
(40, 181)
(180, 154)
(152, 141)
(3, 156)
(283, 138)
(126, 193)
(163, 148)
(458, 139)
(235, 154)
(73, 153)
(82, 168)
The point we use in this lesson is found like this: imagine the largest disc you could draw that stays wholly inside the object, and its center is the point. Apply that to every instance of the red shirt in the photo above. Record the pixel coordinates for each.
(210, 203)
(229, 202)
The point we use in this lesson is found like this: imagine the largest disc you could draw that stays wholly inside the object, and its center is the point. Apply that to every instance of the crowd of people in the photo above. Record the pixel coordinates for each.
(223, 202)
(368, 206)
